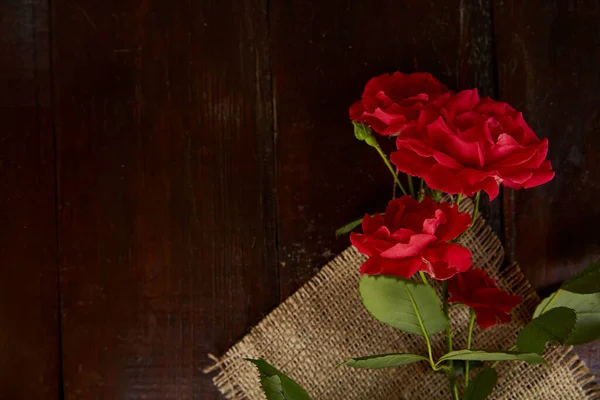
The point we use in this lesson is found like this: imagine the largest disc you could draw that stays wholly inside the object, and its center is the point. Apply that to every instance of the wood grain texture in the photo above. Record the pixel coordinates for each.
(28, 288)
(322, 57)
(204, 158)
(165, 166)
(548, 67)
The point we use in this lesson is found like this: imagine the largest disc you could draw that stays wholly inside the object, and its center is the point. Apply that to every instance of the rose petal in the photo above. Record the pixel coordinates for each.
(374, 86)
(463, 101)
(456, 223)
(541, 176)
(446, 141)
(410, 163)
(369, 245)
(404, 268)
(423, 150)
(416, 244)
(371, 224)
(475, 180)
(457, 256)
(493, 295)
(439, 270)
(485, 317)
(475, 289)
(384, 122)
(371, 267)
(402, 235)
(430, 225)
(356, 111)
(442, 178)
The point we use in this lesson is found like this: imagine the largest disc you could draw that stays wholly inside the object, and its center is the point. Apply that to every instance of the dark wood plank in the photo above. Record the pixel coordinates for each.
(165, 164)
(28, 288)
(548, 67)
(322, 57)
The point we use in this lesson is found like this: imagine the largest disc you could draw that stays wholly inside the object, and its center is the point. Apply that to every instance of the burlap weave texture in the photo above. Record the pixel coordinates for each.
(325, 323)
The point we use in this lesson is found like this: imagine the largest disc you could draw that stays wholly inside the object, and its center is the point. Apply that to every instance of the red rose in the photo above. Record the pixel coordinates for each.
(413, 237)
(389, 103)
(477, 290)
(464, 144)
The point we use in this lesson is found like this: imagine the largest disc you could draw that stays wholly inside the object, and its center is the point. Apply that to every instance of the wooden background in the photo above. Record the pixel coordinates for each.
(171, 170)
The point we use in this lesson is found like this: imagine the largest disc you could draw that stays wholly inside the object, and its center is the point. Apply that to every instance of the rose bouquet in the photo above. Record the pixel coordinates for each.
(448, 146)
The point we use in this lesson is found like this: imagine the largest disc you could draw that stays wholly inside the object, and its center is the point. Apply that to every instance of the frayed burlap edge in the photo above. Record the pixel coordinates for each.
(324, 323)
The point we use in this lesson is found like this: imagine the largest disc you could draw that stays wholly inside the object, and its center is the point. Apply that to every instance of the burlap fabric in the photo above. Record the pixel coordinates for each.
(325, 323)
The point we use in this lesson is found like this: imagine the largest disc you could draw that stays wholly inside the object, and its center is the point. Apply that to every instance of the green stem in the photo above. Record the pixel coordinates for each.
(476, 209)
(424, 278)
(422, 189)
(425, 335)
(455, 395)
(394, 186)
(387, 162)
(445, 308)
(469, 337)
(411, 187)
(452, 371)
(459, 199)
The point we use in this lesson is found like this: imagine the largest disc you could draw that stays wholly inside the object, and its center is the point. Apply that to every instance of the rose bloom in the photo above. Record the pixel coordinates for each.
(413, 236)
(464, 144)
(477, 290)
(391, 102)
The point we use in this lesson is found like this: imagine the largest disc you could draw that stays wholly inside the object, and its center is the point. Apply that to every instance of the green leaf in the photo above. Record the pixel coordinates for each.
(276, 385)
(586, 281)
(483, 355)
(349, 227)
(384, 361)
(555, 325)
(459, 366)
(405, 305)
(587, 310)
(482, 385)
(272, 387)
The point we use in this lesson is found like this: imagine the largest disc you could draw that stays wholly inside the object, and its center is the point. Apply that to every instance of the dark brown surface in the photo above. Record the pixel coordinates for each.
(29, 343)
(321, 62)
(548, 63)
(204, 159)
(165, 160)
